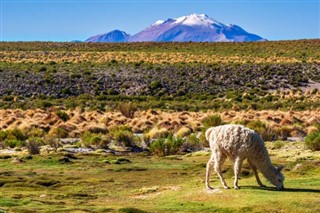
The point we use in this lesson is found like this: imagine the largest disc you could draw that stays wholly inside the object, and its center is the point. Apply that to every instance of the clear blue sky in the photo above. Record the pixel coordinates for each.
(66, 20)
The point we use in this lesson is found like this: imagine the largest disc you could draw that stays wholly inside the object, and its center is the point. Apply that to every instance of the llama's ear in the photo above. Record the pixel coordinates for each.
(279, 168)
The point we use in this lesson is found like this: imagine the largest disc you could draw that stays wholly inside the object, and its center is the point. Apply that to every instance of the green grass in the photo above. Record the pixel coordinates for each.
(152, 184)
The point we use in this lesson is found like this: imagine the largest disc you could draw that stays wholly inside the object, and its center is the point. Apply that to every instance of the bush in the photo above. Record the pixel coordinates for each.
(124, 138)
(211, 121)
(158, 147)
(3, 135)
(16, 134)
(173, 144)
(35, 132)
(12, 143)
(155, 133)
(62, 115)
(92, 139)
(183, 132)
(128, 109)
(59, 133)
(266, 132)
(122, 135)
(285, 132)
(53, 142)
(192, 144)
(33, 145)
(166, 146)
(89, 139)
(312, 141)
(278, 144)
(12, 138)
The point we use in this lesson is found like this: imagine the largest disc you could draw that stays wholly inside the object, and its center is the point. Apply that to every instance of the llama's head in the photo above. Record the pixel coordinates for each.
(278, 178)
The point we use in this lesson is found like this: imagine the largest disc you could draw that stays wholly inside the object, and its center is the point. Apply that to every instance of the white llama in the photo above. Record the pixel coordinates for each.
(239, 143)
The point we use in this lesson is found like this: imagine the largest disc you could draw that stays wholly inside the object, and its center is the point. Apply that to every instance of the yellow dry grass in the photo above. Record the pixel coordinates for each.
(149, 57)
(160, 121)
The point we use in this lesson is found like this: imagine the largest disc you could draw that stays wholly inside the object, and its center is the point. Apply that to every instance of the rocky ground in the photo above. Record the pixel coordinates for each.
(65, 80)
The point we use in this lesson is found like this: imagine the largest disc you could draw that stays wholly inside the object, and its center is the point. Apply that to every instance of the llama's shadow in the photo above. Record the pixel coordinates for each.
(285, 190)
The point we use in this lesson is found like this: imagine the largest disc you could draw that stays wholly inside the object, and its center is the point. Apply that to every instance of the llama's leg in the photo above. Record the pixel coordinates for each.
(218, 162)
(254, 168)
(237, 169)
(210, 165)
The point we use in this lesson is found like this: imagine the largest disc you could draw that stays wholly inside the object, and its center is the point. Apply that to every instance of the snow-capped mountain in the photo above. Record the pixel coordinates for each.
(193, 27)
(113, 36)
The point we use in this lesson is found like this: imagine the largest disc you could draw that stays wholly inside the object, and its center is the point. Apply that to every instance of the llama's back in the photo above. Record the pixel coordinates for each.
(233, 140)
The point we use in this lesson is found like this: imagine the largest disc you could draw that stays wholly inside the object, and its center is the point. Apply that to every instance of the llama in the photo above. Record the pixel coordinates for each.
(239, 143)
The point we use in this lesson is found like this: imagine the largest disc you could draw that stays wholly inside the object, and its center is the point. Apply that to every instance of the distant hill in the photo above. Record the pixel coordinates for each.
(193, 27)
(113, 36)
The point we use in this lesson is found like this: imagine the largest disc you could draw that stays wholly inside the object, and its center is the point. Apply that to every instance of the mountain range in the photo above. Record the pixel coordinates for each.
(193, 27)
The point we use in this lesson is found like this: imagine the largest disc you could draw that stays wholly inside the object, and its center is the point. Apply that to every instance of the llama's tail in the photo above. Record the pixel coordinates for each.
(208, 132)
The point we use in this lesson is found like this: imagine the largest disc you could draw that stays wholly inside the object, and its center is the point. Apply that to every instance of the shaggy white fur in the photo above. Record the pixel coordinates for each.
(239, 143)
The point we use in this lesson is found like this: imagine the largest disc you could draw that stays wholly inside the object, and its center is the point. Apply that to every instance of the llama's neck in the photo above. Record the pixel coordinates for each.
(263, 163)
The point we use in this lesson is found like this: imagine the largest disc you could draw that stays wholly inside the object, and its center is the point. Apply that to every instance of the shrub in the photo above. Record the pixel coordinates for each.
(146, 139)
(211, 121)
(278, 144)
(124, 138)
(155, 84)
(3, 135)
(89, 139)
(128, 109)
(266, 132)
(183, 132)
(312, 141)
(122, 135)
(42, 104)
(35, 132)
(53, 142)
(58, 133)
(285, 132)
(157, 133)
(62, 115)
(7, 98)
(12, 143)
(16, 134)
(158, 147)
(173, 144)
(33, 145)
(166, 146)
(192, 144)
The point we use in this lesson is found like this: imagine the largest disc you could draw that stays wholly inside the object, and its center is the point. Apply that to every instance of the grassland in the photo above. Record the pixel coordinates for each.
(93, 183)
(160, 75)
(300, 50)
(106, 93)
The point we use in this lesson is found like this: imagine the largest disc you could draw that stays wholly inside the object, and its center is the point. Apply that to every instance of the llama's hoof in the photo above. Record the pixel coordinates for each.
(263, 186)
(226, 187)
(209, 188)
(236, 187)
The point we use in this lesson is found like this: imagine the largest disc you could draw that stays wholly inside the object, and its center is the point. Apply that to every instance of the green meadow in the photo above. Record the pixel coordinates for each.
(103, 182)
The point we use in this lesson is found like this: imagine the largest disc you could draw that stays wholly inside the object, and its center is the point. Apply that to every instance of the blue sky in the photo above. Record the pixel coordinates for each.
(66, 20)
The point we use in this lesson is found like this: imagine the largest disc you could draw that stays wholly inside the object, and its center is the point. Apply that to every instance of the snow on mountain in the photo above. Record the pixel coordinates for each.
(159, 22)
(193, 27)
(113, 36)
(197, 19)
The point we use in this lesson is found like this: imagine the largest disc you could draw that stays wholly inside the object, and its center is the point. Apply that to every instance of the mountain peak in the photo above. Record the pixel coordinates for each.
(113, 36)
(193, 27)
(197, 19)
(159, 22)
